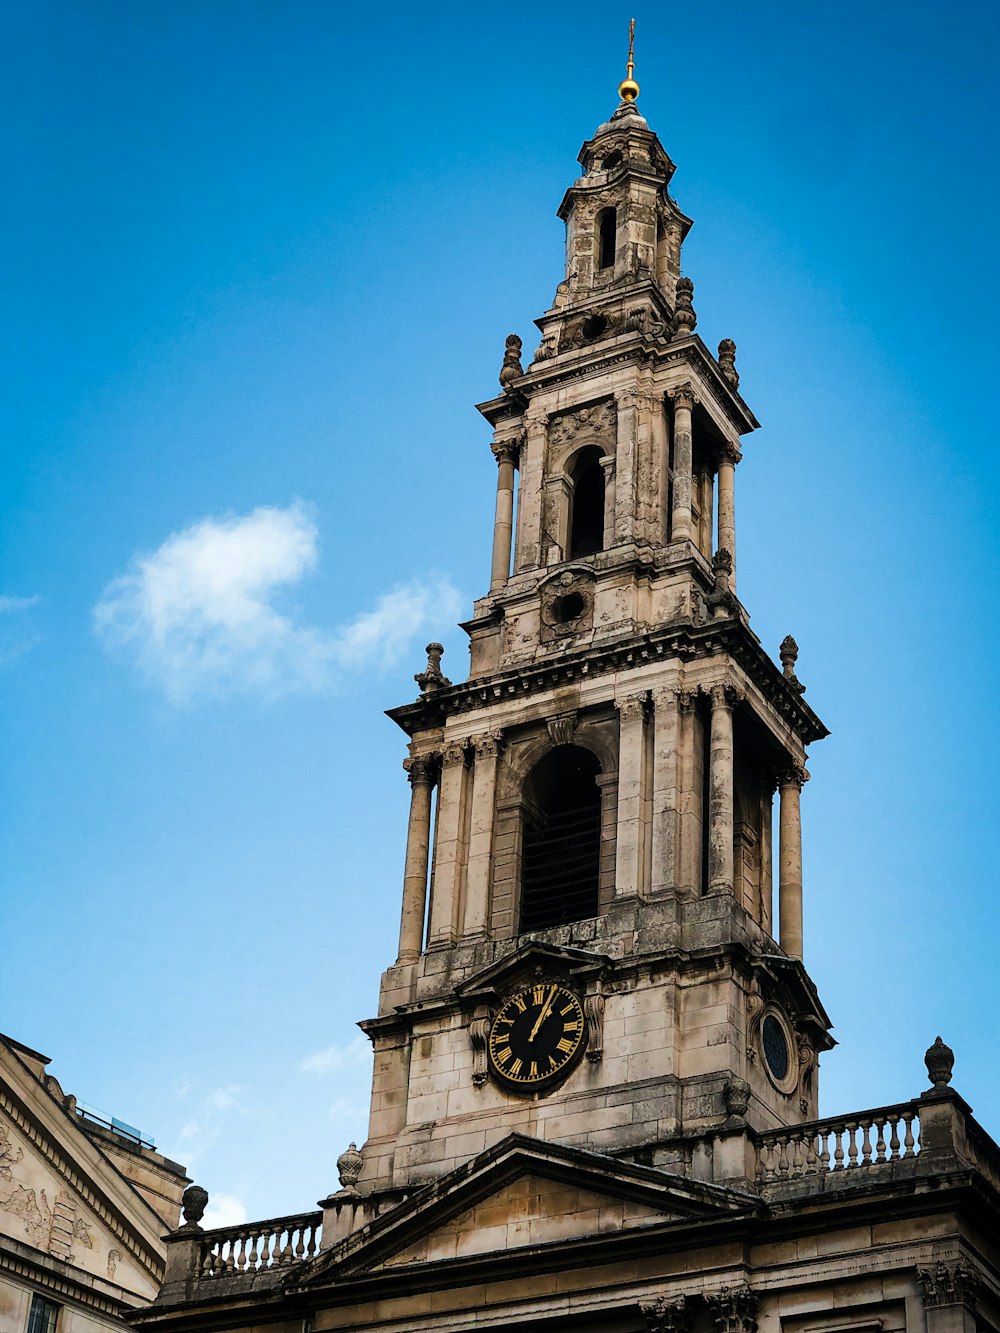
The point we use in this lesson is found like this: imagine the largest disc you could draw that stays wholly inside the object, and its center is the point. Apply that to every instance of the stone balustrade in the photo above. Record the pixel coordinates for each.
(255, 1246)
(843, 1143)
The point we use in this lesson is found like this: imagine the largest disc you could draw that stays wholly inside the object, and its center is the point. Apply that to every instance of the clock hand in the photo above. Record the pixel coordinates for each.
(543, 1015)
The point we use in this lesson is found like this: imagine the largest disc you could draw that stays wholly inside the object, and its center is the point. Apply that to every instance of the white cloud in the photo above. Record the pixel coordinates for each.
(223, 1098)
(198, 614)
(11, 604)
(333, 1059)
(224, 1210)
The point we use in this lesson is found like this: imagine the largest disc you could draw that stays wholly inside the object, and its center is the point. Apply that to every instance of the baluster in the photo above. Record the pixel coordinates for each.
(838, 1156)
(207, 1265)
(801, 1153)
(824, 1150)
(908, 1139)
(286, 1249)
(852, 1143)
(866, 1147)
(300, 1247)
(894, 1138)
(256, 1237)
(880, 1150)
(265, 1249)
(782, 1143)
(812, 1156)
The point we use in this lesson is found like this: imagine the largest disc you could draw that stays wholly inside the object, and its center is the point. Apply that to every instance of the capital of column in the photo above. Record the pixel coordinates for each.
(724, 694)
(729, 452)
(683, 395)
(535, 418)
(734, 1310)
(422, 768)
(687, 699)
(793, 776)
(507, 451)
(488, 745)
(632, 706)
(455, 753)
(949, 1284)
(664, 1316)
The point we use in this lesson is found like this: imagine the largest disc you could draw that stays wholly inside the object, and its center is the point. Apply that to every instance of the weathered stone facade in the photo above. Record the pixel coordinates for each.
(83, 1206)
(593, 818)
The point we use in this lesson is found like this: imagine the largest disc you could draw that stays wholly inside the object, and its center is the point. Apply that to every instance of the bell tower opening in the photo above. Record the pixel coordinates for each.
(607, 237)
(561, 842)
(587, 511)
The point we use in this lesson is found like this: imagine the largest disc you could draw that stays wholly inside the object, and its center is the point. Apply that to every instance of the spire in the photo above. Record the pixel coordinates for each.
(628, 89)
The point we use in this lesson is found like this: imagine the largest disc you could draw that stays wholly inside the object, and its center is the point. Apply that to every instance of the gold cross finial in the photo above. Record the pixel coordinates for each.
(628, 89)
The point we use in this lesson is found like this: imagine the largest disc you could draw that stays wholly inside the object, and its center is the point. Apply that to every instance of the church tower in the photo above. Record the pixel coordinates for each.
(601, 934)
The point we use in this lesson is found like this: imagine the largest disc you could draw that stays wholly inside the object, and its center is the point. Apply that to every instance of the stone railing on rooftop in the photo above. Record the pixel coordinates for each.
(255, 1246)
(840, 1143)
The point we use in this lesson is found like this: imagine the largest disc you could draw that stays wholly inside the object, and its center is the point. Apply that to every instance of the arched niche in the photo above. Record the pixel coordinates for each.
(561, 821)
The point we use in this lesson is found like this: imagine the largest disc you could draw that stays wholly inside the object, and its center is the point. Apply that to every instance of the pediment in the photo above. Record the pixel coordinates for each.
(531, 959)
(522, 1194)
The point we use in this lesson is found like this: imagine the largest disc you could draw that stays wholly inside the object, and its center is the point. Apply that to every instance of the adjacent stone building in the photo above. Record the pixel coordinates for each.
(594, 1102)
(84, 1205)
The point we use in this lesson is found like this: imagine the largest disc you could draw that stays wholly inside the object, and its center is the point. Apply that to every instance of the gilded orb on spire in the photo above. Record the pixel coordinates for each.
(628, 89)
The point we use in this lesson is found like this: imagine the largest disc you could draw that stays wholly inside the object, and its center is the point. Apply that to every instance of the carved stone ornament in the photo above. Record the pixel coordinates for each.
(511, 368)
(940, 1061)
(509, 450)
(488, 745)
(455, 753)
(548, 347)
(793, 776)
(724, 694)
(432, 678)
(789, 655)
(349, 1165)
(950, 1284)
(684, 319)
(734, 1310)
(632, 707)
(561, 728)
(194, 1201)
(664, 1316)
(479, 1031)
(566, 605)
(421, 769)
(596, 423)
(755, 1015)
(736, 1096)
(721, 598)
(727, 362)
(593, 1010)
(683, 395)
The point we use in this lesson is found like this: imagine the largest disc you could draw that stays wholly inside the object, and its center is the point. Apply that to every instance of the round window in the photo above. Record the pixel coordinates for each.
(775, 1048)
(568, 608)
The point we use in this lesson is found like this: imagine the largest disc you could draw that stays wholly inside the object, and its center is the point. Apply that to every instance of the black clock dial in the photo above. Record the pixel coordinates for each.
(536, 1036)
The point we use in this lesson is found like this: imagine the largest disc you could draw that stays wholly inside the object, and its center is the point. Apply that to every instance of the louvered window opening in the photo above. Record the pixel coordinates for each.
(560, 864)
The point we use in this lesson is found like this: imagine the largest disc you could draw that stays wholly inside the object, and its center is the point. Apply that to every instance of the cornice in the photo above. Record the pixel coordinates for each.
(55, 1277)
(685, 641)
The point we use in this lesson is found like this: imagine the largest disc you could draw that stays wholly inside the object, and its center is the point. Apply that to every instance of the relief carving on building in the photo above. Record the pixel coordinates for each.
(734, 1310)
(595, 423)
(566, 605)
(663, 1316)
(949, 1284)
(593, 1011)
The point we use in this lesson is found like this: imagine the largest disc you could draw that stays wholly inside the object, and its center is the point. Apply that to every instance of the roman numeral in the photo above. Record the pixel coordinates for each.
(572, 1027)
(565, 1045)
(501, 1039)
(538, 995)
(521, 1005)
(570, 1009)
(504, 1055)
(533, 1070)
(515, 1068)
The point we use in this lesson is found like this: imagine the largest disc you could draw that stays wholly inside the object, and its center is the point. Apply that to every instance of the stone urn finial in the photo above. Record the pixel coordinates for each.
(727, 362)
(194, 1201)
(684, 319)
(789, 654)
(349, 1167)
(511, 368)
(432, 677)
(940, 1061)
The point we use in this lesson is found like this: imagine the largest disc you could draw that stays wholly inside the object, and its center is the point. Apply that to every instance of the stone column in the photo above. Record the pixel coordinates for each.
(767, 857)
(448, 859)
(790, 860)
(626, 442)
(690, 798)
(608, 464)
(684, 400)
(630, 843)
(418, 840)
(666, 803)
(727, 505)
(720, 798)
(951, 1294)
(505, 452)
(481, 821)
(529, 509)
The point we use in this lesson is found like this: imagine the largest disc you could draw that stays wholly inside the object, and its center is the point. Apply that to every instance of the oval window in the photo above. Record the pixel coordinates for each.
(775, 1048)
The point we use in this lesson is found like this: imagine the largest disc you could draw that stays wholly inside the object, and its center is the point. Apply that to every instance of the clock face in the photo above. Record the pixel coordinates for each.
(536, 1036)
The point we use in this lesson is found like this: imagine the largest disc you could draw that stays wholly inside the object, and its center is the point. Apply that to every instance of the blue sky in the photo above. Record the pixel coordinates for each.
(261, 259)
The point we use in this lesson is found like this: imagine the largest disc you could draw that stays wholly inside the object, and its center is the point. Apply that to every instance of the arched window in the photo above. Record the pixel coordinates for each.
(607, 237)
(561, 842)
(586, 525)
